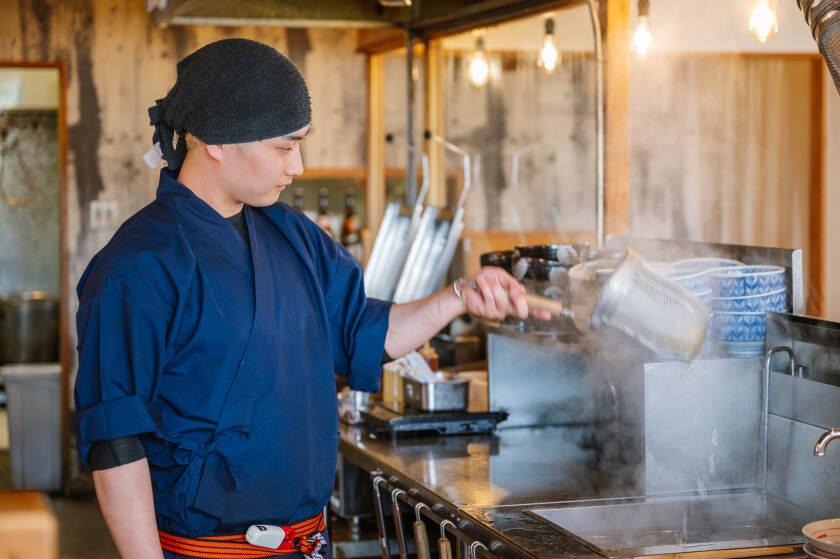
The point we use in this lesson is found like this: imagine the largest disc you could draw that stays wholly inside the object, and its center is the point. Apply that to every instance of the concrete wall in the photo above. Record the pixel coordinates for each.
(118, 62)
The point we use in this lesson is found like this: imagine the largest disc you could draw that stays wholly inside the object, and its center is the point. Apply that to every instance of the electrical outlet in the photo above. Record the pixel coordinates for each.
(103, 215)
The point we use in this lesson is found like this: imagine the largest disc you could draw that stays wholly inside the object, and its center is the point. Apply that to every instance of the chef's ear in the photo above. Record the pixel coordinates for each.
(215, 151)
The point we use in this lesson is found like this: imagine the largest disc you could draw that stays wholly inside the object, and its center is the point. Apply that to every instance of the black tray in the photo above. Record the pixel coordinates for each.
(381, 420)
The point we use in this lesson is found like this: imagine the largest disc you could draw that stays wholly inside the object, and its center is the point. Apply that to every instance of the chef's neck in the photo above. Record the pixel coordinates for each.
(203, 180)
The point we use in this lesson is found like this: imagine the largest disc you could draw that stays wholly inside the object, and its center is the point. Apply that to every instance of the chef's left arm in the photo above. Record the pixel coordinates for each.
(413, 324)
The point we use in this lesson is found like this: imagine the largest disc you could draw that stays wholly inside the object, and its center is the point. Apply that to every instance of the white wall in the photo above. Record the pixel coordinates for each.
(723, 26)
(677, 26)
(707, 26)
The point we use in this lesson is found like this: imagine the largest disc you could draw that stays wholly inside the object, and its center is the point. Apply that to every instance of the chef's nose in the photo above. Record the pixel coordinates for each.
(294, 165)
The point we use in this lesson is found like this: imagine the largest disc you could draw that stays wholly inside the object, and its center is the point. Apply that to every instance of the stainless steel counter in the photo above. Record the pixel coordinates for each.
(488, 481)
(490, 485)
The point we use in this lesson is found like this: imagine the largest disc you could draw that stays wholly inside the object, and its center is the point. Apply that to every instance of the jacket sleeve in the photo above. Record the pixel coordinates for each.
(358, 324)
(122, 347)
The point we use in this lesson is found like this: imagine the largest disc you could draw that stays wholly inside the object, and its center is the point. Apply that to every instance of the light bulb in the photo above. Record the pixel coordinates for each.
(479, 68)
(549, 55)
(642, 37)
(763, 21)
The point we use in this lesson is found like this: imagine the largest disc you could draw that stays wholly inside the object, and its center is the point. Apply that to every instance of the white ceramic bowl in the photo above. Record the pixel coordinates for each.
(824, 536)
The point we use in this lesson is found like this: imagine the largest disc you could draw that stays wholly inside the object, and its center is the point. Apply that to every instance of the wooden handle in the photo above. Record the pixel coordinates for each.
(444, 548)
(546, 304)
(422, 541)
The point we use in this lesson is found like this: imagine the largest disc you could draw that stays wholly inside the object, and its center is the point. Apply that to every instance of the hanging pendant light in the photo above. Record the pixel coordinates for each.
(642, 37)
(479, 67)
(763, 21)
(549, 56)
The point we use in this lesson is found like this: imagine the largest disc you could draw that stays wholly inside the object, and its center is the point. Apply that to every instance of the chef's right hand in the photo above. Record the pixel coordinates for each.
(493, 293)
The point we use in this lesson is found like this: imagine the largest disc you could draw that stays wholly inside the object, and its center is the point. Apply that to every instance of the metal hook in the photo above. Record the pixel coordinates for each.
(443, 527)
(417, 508)
(474, 546)
(398, 522)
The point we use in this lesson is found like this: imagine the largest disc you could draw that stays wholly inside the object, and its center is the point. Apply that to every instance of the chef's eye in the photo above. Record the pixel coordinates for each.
(285, 150)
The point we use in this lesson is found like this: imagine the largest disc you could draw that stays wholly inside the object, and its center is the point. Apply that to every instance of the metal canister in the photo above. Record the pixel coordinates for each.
(29, 327)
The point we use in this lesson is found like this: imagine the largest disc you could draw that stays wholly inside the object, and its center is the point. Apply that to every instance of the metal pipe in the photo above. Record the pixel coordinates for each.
(411, 173)
(825, 439)
(599, 123)
(765, 415)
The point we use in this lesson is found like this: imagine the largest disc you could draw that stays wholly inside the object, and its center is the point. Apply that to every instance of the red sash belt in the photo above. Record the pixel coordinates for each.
(303, 537)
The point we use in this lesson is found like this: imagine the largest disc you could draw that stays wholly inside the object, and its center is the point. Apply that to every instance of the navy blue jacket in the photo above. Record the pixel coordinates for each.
(223, 359)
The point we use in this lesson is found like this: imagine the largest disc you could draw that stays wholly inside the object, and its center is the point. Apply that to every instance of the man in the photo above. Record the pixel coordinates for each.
(212, 324)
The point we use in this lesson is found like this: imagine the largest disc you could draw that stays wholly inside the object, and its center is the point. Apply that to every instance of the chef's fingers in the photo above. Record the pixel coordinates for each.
(500, 296)
(515, 293)
(490, 310)
(473, 301)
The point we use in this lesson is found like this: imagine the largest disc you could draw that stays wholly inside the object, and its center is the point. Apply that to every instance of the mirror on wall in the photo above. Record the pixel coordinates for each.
(30, 213)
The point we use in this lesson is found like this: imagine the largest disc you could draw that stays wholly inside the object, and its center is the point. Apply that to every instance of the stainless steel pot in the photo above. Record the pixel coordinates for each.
(28, 328)
(440, 392)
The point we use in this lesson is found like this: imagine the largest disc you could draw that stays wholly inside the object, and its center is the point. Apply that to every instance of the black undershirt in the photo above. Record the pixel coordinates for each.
(239, 223)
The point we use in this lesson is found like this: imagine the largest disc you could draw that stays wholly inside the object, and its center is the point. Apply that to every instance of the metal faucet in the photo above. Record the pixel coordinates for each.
(825, 439)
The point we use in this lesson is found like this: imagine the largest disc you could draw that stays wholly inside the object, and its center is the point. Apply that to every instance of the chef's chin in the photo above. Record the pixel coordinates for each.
(267, 200)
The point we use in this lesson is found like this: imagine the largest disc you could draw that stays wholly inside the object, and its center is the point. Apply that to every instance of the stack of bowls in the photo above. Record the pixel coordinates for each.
(823, 539)
(695, 275)
(741, 296)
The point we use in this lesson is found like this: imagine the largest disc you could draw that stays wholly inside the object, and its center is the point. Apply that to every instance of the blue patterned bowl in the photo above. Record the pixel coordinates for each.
(705, 264)
(740, 281)
(694, 273)
(740, 326)
(696, 281)
(775, 301)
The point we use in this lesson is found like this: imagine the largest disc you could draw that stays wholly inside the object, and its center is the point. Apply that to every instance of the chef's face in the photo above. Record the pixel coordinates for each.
(256, 173)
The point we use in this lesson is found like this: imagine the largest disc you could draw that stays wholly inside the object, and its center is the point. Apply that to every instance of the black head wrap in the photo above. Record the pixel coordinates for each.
(229, 92)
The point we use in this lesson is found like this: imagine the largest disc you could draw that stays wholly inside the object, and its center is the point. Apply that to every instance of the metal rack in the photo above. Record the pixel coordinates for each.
(436, 238)
(466, 546)
(399, 227)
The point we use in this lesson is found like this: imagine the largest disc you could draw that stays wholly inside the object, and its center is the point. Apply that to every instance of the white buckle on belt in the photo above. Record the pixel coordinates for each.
(264, 535)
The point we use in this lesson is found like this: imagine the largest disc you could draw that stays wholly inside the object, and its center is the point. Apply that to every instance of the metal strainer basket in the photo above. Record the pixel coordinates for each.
(662, 315)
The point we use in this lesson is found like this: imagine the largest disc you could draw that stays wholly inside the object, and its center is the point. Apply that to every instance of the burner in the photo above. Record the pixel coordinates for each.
(380, 419)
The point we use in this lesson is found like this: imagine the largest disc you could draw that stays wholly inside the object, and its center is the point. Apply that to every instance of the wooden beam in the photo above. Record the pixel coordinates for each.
(815, 254)
(615, 18)
(380, 40)
(435, 119)
(375, 194)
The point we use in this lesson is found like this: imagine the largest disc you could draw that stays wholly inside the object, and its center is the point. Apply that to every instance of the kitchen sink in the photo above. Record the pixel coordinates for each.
(632, 527)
